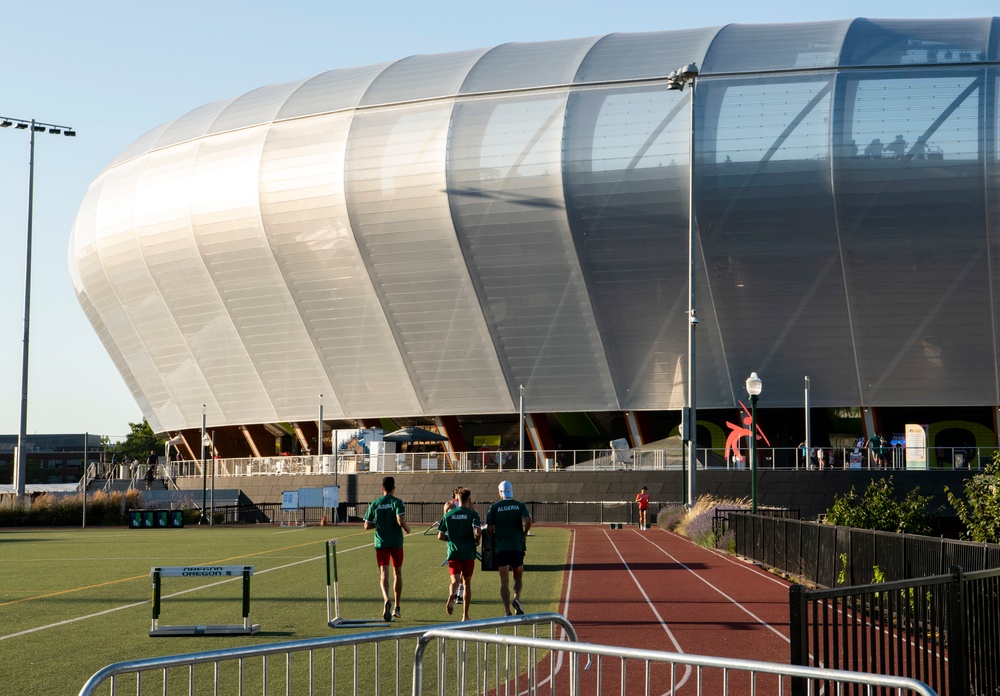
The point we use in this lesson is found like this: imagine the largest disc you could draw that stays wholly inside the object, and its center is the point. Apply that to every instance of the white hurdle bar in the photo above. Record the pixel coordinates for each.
(333, 618)
(160, 572)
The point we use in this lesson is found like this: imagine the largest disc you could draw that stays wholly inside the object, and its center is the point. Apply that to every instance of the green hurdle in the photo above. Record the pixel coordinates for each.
(333, 617)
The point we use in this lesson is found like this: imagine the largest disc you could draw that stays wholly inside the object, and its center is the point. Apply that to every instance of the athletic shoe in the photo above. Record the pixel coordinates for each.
(450, 606)
(387, 611)
(395, 613)
(517, 607)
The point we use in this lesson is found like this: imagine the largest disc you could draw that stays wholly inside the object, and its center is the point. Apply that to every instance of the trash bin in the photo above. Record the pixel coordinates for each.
(959, 460)
(548, 463)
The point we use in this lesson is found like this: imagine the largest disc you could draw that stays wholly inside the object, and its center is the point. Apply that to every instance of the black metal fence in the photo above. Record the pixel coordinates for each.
(943, 630)
(921, 607)
(623, 512)
(617, 512)
(832, 556)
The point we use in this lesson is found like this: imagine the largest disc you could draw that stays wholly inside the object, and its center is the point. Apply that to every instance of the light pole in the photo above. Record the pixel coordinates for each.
(204, 470)
(754, 386)
(677, 80)
(32, 126)
(520, 443)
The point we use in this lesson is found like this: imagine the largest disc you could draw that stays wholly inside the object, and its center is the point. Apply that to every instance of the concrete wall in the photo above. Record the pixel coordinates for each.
(811, 492)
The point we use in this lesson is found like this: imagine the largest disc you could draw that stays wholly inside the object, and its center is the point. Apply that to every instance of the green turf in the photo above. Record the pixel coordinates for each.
(73, 601)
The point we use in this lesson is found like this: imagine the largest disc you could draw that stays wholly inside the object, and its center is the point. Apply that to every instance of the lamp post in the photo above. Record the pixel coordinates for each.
(677, 80)
(754, 386)
(319, 439)
(204, 470)
(32, 126)
(520, 443)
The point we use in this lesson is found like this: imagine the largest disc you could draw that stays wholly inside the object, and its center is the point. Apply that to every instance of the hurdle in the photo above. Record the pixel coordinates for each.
(333, 617)
(160, 572)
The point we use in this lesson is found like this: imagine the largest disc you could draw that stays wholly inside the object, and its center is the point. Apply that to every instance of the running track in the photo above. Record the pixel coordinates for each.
(657, 590)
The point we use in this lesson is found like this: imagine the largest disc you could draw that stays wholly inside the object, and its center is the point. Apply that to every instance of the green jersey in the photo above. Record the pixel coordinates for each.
(460, 525)
(505, 517)
(383, 512)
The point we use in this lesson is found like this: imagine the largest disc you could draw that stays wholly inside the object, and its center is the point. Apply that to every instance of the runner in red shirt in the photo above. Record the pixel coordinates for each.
(643, 499)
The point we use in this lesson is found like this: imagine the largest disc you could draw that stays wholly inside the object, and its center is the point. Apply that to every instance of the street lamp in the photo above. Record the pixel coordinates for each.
(677, 80)
(204, 469)
(32, 126)
(754, 385)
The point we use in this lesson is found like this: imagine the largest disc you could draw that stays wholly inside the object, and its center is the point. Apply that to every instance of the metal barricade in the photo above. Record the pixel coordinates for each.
(624, 670)
(372, 662)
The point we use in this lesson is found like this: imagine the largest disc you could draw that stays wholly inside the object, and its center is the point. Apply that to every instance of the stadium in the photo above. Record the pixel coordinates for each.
(452, 240)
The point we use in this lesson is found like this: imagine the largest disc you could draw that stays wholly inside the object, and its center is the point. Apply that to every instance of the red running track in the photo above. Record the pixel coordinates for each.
(657, 590)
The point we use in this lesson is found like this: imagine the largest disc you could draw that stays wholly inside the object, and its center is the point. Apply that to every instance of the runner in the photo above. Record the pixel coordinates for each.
(509, 521)
(387, 516)
(460, 528)
(643, 499)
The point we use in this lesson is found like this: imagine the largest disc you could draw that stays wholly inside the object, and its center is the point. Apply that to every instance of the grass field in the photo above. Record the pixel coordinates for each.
(73, 601)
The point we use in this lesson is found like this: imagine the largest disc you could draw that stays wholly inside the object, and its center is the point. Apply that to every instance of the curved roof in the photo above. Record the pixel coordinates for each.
(733, 48)
(424, 236)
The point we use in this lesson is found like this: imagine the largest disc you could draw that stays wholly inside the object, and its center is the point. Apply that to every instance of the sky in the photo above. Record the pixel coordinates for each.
(114, 69)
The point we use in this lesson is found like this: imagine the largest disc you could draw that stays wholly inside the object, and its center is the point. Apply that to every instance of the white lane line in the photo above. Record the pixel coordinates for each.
(716, 589)
(175, 594)
(666, 628)
(565, 612)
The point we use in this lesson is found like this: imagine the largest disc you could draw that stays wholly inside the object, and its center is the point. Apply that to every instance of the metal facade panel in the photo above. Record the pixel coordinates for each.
(117, 283)
(626, 172)
(172, 265)
(422, 77)
(88, 276)
(141, 146)
(506, 181)
(399, 211)
(304, 211)
(333, 90)
(992, 148)
(191, 125)
(647, 55)
(522, 65)
(285, 371)
(254, 108)
(748, 48)
(893, 42)
(768, 232)
(913, 234)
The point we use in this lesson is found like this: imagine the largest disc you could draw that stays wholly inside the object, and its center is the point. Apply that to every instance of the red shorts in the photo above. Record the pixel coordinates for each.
(465, 568)
(387, 556)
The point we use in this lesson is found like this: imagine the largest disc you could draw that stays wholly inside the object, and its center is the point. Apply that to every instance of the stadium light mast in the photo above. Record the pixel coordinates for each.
(32, 126)
(678, 80)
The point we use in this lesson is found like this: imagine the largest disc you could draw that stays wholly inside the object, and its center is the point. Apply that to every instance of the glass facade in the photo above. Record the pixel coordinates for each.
(420, 238)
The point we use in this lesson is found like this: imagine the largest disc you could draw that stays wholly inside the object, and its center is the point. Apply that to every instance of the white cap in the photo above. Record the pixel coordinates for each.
(505, 489)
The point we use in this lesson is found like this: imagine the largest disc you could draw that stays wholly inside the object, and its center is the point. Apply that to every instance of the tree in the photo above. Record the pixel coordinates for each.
(138, 443)
(878, 509)
(980, 511)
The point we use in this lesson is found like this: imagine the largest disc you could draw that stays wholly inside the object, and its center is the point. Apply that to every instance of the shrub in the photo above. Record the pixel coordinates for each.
(879, 509)
(980, 512)
(49, 510)
(670, 516)
(697, 524)
(727, 542)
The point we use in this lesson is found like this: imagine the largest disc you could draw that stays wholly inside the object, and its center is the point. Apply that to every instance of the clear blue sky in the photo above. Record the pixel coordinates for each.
(116, 69)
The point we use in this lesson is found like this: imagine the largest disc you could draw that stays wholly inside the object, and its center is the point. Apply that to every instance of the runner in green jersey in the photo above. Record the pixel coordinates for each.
(509, 521)
(387, 516)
